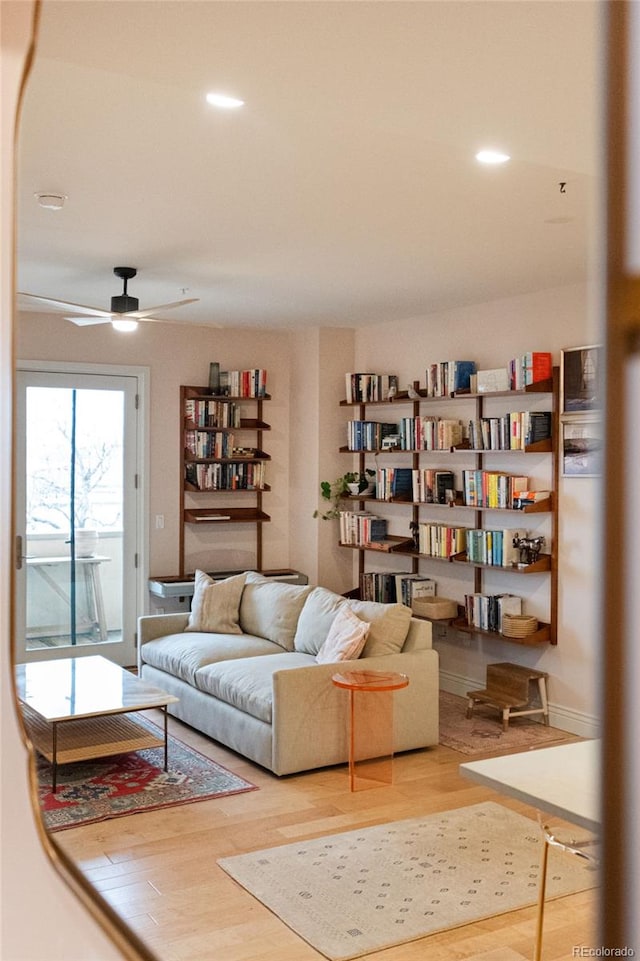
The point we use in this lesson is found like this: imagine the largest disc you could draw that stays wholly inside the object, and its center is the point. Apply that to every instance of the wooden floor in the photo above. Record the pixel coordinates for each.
(159, 871)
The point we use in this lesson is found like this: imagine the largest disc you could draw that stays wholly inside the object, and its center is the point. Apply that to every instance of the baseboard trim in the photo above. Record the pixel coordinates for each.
(564, 718)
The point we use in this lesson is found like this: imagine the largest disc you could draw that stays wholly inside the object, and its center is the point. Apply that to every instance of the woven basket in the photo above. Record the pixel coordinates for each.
(519, 625)
(437, 608)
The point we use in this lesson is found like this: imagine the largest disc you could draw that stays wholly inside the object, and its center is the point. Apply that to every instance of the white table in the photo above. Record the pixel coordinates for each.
(562, 780)
(89, 569)
(76, 709)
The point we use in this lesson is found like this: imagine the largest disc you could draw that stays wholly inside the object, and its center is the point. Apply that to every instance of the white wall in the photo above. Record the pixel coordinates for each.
(176, 354)
(491, 334)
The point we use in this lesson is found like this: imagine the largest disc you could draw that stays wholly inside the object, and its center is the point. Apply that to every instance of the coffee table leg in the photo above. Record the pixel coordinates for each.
(166, 739)
(54, 761)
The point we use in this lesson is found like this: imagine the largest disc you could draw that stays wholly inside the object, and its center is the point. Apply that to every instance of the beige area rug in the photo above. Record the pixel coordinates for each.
(482, 733)
(353, 893)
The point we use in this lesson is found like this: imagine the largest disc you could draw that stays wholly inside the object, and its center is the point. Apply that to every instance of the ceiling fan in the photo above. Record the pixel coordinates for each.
(124, 314)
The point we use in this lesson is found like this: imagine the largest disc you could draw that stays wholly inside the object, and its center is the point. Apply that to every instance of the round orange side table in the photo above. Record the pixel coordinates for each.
(370, 724)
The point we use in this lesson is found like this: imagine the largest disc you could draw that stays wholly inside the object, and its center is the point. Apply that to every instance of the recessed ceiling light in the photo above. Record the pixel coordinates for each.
(224, 101)
(492, 157)
(125, 326)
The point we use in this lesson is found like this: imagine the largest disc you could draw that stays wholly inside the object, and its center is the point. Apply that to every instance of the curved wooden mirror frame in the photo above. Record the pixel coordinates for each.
(27, 837)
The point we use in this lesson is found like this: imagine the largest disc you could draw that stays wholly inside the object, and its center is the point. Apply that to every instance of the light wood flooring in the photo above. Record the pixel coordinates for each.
(158, 869)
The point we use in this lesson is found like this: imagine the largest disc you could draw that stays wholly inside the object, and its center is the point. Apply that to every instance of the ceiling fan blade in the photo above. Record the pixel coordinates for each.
(26, 299)
(142, 314)
(92, 321)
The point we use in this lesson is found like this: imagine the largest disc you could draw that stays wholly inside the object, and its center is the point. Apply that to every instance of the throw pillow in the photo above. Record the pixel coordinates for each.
(316, 618)
(389, 626)
(346, 638)
(216, 604)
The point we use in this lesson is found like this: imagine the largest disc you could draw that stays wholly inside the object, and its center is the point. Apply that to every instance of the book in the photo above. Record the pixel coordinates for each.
(490, 381)
(536, 366)
(444, 481)
(214, 377)
(411, 586)
(462, 371)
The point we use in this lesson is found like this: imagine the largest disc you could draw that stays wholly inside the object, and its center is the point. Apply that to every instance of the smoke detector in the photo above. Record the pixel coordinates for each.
(50, 200)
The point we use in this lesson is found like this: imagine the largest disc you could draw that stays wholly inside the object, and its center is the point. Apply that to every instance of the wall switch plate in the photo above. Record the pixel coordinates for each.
(159, 522)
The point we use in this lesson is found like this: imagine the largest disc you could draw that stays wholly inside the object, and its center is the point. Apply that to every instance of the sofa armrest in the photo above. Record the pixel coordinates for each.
(152, 626)
(310, 714)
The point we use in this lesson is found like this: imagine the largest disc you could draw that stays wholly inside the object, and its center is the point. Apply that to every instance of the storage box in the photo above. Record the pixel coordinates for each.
(436, 608)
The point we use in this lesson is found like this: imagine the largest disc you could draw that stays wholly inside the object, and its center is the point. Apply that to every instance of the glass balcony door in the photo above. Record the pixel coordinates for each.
(77, 515)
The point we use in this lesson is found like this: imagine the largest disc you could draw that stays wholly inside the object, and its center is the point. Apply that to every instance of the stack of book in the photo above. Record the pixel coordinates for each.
(227, 477)
(486, 611)
(412, 587)
(368, 434)
(394, 484)
(200, 443)
(237, 383)
(430, 486)
(358, 528)
(487, 488)
(513, 431)
(362, 388)
(492, 547)
(530, 368)
(440, 540)
(211, 413)
(449, 376)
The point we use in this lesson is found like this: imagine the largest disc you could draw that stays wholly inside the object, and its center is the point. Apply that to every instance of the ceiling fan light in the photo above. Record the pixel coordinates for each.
(224, 101)
(124, 325)
(492, 157)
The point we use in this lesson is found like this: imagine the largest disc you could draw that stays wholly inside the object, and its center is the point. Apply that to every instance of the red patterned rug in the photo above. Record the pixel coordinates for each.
(111, 787)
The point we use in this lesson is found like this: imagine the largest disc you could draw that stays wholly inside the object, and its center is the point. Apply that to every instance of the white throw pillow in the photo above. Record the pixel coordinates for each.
(216, 604)
(346, 638)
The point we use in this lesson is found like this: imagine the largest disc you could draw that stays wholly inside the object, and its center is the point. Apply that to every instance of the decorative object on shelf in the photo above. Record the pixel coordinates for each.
(412, 393)
(580, 387)
(529, 548)
(352, 483)
(435, 608)
(519, 625)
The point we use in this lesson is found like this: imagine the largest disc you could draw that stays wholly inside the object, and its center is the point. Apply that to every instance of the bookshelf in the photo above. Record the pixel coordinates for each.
(462, 512)
(222, 466)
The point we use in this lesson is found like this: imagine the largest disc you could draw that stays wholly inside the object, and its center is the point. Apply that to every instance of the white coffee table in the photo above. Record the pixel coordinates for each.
(562, 780)
(77, 708)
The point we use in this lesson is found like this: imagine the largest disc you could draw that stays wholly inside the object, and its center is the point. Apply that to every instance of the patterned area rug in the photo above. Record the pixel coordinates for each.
(353, 893)
(131, 783)
(482, 733)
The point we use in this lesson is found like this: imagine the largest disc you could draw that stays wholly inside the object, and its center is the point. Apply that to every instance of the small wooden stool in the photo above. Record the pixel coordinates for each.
(508, 689)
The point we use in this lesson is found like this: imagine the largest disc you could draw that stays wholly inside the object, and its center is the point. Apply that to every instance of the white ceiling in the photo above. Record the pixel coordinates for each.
(345, 192)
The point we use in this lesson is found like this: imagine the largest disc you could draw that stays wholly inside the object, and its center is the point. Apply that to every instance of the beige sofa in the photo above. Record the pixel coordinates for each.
(262, 693)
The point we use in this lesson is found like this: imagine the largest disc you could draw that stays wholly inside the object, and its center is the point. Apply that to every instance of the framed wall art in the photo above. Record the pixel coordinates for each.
(582, 447)
(580, 382)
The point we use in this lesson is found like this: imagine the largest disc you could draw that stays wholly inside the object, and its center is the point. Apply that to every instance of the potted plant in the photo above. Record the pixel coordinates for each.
(352, 483)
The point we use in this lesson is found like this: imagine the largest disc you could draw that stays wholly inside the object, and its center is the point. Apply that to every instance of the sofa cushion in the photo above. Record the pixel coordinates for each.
(272, 610)
(248, 684)
(316, 618)
(183, 654)
(389, 626)
(216, 604)
(346, 638)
